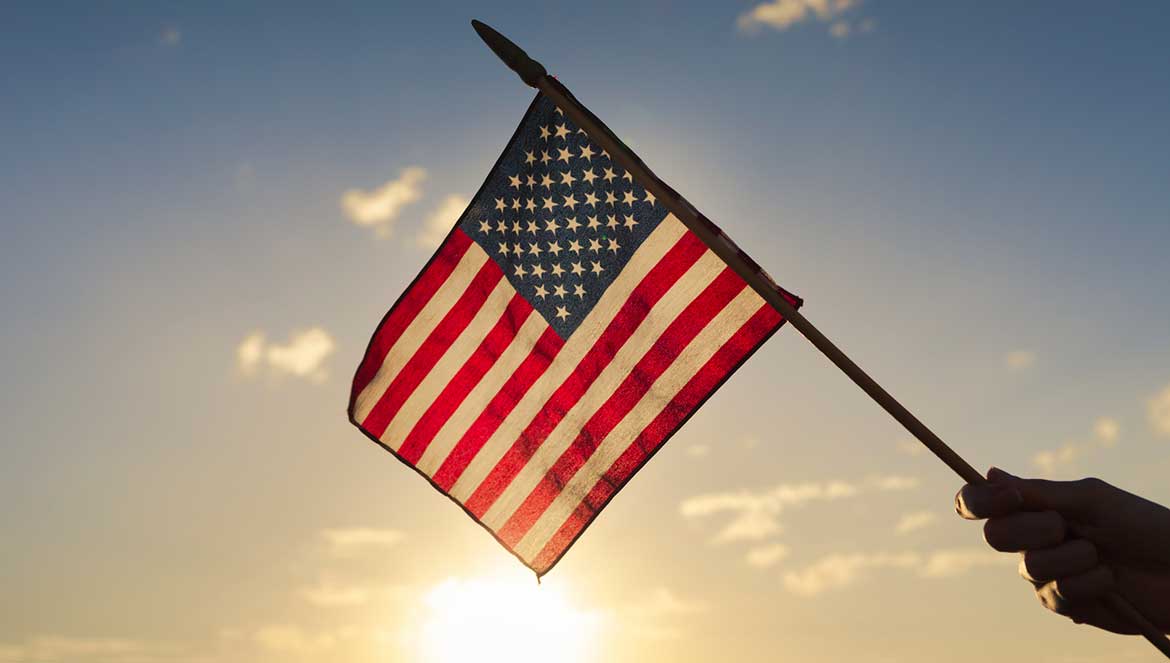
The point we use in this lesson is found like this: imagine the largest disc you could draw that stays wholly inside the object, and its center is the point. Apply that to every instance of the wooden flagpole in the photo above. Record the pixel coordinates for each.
(535, 75)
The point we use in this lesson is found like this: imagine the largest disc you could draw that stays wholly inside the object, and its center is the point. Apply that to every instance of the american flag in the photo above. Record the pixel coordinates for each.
(563, 331)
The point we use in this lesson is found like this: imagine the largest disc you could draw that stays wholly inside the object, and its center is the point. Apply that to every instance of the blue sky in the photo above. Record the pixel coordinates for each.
(971, 197)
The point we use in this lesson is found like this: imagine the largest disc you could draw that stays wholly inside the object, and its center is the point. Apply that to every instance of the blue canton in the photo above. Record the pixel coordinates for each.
(559, 217)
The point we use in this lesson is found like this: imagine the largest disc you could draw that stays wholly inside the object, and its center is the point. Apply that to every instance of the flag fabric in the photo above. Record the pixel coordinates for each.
(564, 330)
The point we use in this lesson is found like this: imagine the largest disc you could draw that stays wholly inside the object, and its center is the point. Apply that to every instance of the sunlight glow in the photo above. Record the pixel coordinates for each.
(498, 619)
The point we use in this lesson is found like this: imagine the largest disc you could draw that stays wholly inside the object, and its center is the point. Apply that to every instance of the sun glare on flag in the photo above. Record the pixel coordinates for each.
(505, 619)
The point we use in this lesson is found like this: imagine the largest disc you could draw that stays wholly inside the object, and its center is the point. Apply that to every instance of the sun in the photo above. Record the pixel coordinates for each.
(505, 618)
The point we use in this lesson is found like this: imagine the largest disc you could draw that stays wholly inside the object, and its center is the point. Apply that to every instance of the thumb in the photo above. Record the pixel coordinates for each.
(1069, 497)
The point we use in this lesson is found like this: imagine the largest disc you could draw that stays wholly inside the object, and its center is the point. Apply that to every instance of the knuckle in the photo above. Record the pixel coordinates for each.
(993, 534)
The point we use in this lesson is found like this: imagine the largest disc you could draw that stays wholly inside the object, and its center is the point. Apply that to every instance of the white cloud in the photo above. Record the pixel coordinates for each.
(1158, 412)
(910, 446)
(343, 542)
(170, 36)
(379, 208)
(911, 522)
(840, 29)
(1106, 433)
(783, 14)
(698, 450)
(440, 222)
(765, 556)
(1018, 360)
(838, 571)
(330, 595)
(302, 356)
(288, 639)
(68, 649)
(755, 514)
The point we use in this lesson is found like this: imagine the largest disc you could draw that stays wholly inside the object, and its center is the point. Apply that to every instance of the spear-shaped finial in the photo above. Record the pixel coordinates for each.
(517, 60)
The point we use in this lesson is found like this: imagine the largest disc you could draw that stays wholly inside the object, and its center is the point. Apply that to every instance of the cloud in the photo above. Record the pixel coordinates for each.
(302, 356)
(840, 29)
(783, 14)
(765, 556)
(68, 649)
(911, 522)
(1018, 360)
(698, 450)
(1106, 433)
(170, 36)
(755, 515)
(838, 571)
(331, 596)
(440, 222)
(289, 639)
(345, 542)
(379, 208)
(1158, 412)
(655, 616)
(910, 446)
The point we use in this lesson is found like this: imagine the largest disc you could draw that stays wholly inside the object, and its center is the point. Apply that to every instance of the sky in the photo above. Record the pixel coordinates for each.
(207, 208)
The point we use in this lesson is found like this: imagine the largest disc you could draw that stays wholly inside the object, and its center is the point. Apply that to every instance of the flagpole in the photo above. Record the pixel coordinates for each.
(535, 75)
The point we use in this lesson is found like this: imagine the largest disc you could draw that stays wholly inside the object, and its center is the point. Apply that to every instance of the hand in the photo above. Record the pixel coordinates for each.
(1079, 540)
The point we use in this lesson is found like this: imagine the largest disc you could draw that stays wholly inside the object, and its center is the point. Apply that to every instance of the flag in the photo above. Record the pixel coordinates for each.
(567, 326)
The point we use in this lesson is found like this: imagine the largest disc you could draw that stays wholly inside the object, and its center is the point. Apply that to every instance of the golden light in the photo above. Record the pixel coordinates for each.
(505, 619)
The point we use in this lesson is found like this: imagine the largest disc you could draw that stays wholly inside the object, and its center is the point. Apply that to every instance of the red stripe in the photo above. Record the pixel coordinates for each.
(404, 312)
(666, 349)
(762, 323)
(658, 280)
(432, 349)
(484, 357)
(533, 366)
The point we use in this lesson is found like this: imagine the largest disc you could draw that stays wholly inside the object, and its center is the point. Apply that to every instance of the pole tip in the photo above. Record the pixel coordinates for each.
(530, 70)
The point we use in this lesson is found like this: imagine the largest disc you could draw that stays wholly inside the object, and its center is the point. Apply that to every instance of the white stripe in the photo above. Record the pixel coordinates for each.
(665, 312)
(420, 328)
(660, 241)
(483, 393)
(454, 357)
(665, 388)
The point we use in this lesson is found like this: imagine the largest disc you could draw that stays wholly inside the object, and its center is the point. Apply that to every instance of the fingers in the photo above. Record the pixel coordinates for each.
(987, 501)
(1024, 531)
(1069, 497)
(1070, 558)
(1073, 594)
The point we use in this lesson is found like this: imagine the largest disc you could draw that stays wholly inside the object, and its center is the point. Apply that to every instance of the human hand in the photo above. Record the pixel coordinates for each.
(1079, 541)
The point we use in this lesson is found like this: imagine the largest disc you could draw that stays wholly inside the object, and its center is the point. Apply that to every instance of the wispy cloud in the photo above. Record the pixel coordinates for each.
(1106, 433)
(698, 451)
(912, 522)
(784, 14)
(1019, 360)
(293, 640)
(348, 541)
(765, 556)
(440, 221)
(379, 208)
(656, 615)
(303, 355)
(755, 515)
(910, 447)
(1158, 412)
(69, 649)
(838, 571)
(330, 595)
(170, 35)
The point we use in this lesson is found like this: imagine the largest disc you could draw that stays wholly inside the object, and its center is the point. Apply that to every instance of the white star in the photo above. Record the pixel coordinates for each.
(545, 158)
(557, 270)
(609, 175)
(532, 227)
(531, 181)
(529, 158)
(613, 245)
(551, 225)
(554, 248)
(549, 204)
(568, 178)
(516, 249)
(546, 181)
(597, 269)
(500, 204)
(514, 181)
(541, 292)
(594, 245)
(575, 247)
(627, 176)
(593, 223)
(577, 269)
(611, 221)
(503, 248)
(629, 198)
(559, 290)
(610, 199)
(520, 271)
(570, 201)
(534, 249)
(502, 226)
(565, 155)
(572, 224)
(484, 226)
(544, 133)
(630, 222)
(586, 152)
(650, 198)
(579, 290)
(589, 176)
(605, 154)
(562, 312)
(590, 199)
(516, 226)
(562, 131)
(529, 205)
(538, 271)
